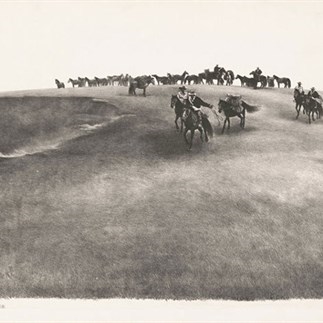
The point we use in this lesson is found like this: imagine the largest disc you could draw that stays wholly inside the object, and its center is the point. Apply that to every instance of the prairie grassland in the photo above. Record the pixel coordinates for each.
(100, 198)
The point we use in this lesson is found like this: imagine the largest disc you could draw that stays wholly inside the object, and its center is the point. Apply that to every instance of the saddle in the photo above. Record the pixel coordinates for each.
(234, 101)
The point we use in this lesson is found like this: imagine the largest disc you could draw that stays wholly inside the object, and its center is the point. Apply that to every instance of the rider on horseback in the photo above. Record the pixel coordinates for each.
(195, 104)
(298, 89)
(257, 72)
(315, 96)
(182, 95)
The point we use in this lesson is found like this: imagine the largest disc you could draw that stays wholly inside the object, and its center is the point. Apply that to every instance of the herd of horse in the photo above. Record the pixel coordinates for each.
(219, 75)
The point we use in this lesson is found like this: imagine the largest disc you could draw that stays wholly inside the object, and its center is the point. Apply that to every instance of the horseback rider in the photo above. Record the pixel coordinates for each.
(195, 104)
(298, 89)
(182, 95)
(257, 72)
(315, 96)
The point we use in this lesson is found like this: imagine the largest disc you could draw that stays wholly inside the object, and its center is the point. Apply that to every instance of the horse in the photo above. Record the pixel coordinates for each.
(140, 82)
(284, 80)
(161, 79)
(299, 99)
(202, 76)
(250, 81)
(192, 78)
(191, 121)
(230, 111)
(242, 79)
(74, 82)
(179, 108)
(311, 106)
(259, 78)
(101, 81)
(210, 76)
(60, 85)
(91, 83)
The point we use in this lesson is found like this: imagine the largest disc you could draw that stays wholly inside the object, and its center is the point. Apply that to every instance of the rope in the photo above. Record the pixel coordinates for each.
(220, 118)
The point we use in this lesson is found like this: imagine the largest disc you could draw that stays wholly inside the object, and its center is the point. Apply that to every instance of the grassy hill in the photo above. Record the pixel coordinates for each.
(100, 198)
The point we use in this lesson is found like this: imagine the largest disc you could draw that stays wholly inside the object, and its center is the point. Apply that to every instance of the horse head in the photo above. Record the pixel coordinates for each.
(220, 105)
(173, 101)
(151, 80)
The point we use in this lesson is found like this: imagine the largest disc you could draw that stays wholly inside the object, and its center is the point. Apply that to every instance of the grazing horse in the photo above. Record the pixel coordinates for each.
(231, 111)
(140, 82)
(60, 85)
(74, 82)
(284, 80)
(191, 122)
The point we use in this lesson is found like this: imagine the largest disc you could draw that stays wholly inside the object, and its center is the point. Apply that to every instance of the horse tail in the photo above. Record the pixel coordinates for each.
(288, 83)
(248, 107)
(207, 126)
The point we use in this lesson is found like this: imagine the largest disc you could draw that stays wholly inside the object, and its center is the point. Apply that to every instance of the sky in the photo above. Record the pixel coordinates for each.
(42, 41)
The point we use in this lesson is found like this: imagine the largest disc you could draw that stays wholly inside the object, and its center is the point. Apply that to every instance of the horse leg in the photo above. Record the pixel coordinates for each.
(201, 133)
(192, 136)
(144, 92)
(225, 121)
(297, 110)
(228, 123)
(176, 125)
(185, 132)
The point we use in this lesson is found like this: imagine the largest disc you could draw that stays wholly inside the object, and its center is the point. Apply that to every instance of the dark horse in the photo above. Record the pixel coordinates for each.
(60, 85)
(284, 80)
(140, 82)
(311, 106)
(299, 99)
(259, 78)
(74, 82)
(231, 111)
(191, 121)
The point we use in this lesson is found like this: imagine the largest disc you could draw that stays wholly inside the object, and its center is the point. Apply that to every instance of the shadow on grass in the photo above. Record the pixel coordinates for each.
(170, 143)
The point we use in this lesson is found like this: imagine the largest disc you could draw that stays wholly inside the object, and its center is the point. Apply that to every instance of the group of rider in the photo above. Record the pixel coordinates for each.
(190, 100)
(298, 90)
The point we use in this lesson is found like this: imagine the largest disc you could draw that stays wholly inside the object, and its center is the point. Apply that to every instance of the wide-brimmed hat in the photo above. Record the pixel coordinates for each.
(191, 92)
(182, 88)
